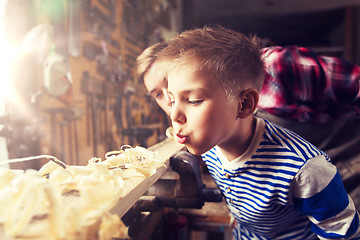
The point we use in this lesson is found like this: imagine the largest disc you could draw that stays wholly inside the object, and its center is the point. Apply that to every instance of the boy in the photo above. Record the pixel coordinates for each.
(277, 185)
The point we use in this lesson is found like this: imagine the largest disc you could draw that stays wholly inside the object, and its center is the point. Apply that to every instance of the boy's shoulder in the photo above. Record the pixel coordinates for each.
(283, 140)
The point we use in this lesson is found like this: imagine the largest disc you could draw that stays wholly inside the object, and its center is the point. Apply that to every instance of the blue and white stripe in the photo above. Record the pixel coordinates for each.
(260, 191)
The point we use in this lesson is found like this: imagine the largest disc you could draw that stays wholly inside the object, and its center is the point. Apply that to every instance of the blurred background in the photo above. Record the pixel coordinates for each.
(68, 84)
(330, 27)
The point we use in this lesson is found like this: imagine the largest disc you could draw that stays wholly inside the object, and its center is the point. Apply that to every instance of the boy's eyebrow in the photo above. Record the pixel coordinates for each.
(196, 89)
(189, 91)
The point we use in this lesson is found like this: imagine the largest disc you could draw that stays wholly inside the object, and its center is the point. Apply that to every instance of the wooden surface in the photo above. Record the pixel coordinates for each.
(137, 187)
(134, 188)
(167, 148)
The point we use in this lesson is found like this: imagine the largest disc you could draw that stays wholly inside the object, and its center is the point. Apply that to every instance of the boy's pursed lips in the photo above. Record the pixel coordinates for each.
(181, 138)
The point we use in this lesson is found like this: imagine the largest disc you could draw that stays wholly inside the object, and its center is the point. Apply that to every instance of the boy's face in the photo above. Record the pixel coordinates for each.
(202, 116)
(156, 84)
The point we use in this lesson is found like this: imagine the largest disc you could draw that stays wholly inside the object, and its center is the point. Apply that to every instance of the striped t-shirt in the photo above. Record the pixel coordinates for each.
(283, 187)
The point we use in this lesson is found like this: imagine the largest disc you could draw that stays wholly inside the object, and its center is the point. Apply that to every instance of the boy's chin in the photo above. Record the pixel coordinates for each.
(195, 151)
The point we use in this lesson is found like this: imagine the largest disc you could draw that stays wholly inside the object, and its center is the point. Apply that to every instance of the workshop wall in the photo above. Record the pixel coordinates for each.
(91, 100)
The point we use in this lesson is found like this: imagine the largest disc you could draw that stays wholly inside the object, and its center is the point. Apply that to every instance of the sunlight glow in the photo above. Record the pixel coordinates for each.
(8, 56)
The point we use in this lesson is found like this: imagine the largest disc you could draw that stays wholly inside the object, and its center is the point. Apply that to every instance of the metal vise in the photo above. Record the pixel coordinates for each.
(182, 187)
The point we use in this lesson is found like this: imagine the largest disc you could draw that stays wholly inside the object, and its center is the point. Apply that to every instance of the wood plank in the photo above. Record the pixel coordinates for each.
(167, 148)
(138, 187)
(135, 188)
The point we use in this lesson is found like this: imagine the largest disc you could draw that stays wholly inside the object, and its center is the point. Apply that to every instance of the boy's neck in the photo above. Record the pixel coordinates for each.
(239, 145)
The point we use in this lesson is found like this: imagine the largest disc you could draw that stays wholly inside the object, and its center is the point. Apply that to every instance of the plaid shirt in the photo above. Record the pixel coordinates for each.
(303, 86)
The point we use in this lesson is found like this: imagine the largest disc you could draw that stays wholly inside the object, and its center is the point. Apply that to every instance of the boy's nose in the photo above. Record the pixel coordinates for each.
(176, 115)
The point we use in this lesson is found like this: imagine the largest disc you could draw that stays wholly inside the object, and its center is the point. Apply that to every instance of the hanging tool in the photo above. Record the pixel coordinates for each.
(53, 133)
(93, 89)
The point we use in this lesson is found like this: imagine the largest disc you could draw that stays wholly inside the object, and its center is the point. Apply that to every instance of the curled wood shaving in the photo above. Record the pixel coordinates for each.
(70, 198)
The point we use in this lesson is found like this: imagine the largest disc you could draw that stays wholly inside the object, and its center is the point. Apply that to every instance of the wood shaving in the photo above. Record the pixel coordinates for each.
(67, 202)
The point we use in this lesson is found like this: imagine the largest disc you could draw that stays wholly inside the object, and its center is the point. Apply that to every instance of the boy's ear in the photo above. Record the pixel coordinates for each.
(248, 101)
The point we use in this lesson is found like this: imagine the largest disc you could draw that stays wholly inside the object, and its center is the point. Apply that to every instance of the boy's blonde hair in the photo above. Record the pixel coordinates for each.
(147, 58)
(229, 56)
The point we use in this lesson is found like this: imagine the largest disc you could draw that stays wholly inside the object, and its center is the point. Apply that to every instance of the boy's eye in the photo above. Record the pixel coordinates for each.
(195, 102)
